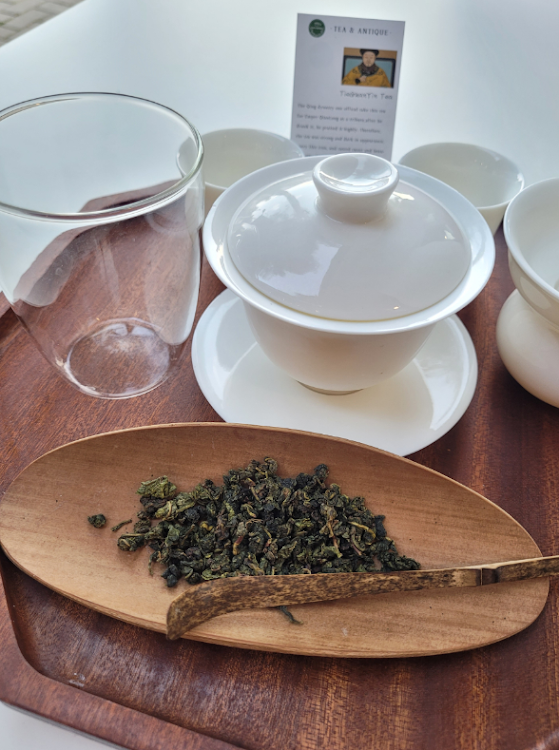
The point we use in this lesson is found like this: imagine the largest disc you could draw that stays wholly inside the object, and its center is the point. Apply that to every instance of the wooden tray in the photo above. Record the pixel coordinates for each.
(133, 688)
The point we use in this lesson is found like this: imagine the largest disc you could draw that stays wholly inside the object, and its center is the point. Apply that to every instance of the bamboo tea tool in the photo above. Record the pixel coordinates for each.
(201, 602)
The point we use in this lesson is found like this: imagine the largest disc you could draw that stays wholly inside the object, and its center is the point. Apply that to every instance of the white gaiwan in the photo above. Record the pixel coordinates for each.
(345, 265)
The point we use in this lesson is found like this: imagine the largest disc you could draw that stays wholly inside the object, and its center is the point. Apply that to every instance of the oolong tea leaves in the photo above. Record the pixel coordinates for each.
(257, 523)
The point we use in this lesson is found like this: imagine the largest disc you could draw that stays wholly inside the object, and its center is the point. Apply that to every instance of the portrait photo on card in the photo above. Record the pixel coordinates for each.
(369, 67)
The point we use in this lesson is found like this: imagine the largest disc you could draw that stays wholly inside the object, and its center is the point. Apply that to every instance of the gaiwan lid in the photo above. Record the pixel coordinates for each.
(347, 241)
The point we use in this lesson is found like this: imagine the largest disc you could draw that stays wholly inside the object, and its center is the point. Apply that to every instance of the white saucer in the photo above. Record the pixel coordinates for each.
(401, 415)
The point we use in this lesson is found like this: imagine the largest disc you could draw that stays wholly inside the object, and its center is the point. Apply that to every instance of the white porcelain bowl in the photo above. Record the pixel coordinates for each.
(339, 355)
(233, 153)
(487, 179)
(528, 324)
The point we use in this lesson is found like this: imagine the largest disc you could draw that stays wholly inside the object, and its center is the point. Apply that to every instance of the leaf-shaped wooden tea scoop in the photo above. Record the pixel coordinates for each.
(206, 600)
(431, 517)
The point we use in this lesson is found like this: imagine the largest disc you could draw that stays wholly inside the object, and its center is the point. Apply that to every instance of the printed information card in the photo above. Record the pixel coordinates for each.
(346, 84)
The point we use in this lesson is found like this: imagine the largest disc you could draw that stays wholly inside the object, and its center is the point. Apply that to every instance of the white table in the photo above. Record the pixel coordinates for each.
(472, 71)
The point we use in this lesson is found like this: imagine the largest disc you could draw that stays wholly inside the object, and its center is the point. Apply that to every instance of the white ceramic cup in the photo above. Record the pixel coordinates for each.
(487, 179)
(234, 153)
(528, 325)
(334, 363)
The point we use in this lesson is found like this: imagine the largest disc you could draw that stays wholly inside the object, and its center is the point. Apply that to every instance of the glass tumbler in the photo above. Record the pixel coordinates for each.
(99, 235)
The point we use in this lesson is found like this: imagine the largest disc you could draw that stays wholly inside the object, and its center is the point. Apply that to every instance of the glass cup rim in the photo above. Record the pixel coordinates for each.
(128, 210)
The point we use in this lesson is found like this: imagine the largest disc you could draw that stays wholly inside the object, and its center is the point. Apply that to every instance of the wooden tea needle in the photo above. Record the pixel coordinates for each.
(204, 601)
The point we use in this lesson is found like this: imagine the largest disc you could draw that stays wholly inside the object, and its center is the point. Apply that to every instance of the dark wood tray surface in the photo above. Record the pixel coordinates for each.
(133, 688)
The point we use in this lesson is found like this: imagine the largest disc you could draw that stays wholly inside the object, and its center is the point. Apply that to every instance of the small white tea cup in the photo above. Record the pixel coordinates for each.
(487, 179)
(234, 153)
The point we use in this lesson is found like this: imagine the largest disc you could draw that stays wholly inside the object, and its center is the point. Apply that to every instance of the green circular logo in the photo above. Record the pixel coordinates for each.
(316, 28)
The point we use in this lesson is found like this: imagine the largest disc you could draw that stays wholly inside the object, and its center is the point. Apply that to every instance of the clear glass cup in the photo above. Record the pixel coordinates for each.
(99, 235)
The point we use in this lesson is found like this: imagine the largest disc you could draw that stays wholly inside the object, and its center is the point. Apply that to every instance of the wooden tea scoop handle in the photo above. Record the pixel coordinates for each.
(203, 601)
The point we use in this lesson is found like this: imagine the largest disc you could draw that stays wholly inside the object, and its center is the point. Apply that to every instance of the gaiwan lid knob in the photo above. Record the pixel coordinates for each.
(346, 239)
(354, 187)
